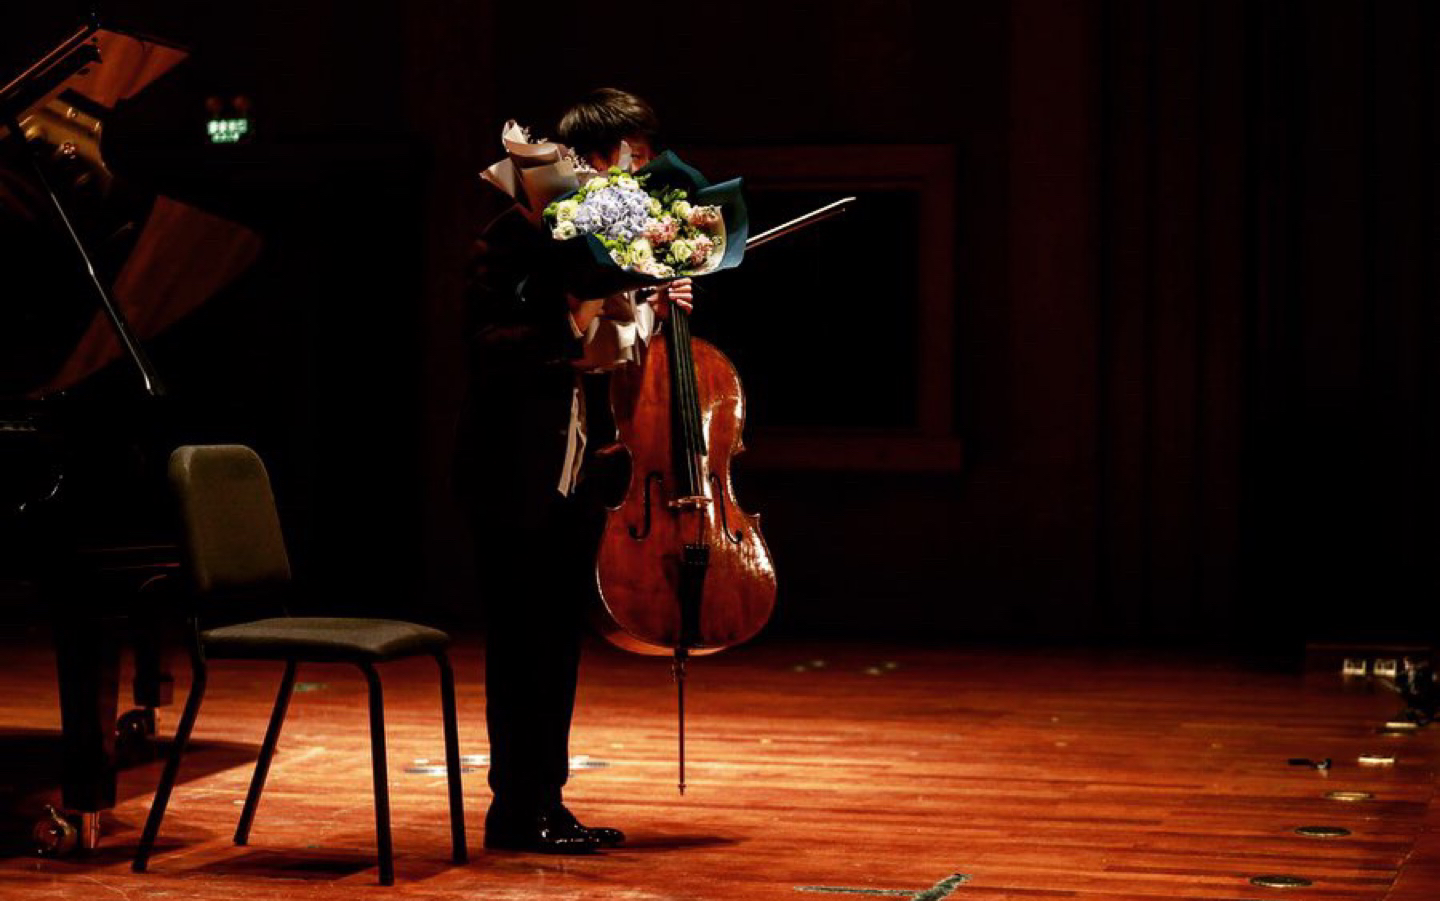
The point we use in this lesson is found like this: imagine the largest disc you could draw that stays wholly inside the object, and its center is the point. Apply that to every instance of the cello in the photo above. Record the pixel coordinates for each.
(681, 570)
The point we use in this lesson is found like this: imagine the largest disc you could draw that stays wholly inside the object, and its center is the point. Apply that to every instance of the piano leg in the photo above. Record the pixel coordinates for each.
(88, 642)
(89, 831)
(153, 686)
(138, 730)
(87, 655)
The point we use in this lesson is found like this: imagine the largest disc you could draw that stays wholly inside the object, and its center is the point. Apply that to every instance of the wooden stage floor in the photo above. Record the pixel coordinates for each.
(838, 771)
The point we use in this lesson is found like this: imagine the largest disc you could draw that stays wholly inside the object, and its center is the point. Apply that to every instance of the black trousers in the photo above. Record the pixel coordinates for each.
(535, 556)
(538, 580)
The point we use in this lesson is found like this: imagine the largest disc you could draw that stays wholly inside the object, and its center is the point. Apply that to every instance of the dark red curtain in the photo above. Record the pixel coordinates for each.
(1266, 317)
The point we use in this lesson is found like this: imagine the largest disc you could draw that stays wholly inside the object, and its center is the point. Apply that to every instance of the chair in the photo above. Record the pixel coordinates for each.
(235, 552)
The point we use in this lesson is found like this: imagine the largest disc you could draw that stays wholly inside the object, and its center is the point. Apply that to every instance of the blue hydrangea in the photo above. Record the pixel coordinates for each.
(614, 212)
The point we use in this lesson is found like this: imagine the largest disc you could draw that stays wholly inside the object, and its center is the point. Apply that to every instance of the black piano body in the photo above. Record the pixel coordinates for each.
(86, 529)
(89, 268)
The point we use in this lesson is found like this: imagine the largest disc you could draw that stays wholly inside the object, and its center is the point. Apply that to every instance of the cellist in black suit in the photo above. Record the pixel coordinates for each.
(537, 411)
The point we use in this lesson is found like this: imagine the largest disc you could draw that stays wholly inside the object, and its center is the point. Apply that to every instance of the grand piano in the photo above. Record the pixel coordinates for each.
(92, 267)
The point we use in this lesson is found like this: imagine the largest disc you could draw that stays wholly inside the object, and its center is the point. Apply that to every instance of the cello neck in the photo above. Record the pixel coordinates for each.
(687, 435)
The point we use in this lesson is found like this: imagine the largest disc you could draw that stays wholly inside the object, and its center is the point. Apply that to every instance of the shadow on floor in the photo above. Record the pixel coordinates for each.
(30, 776)
(316, 865)
(643, 843)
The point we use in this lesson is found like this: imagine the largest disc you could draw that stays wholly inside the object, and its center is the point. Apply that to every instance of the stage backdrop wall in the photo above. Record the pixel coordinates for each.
(1194, 304)
(1194, 288)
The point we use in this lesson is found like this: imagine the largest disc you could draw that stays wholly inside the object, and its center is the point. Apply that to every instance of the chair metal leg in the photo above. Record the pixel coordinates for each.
(452, 759)
(267, 753)
(172, 768)
(382, 785)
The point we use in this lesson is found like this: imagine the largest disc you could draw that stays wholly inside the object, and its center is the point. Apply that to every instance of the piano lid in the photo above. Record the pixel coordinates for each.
(101, 65)
(180, 255)
(183, 257)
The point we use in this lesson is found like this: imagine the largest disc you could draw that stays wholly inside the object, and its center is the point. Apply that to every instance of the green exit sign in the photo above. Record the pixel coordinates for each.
(227, 131)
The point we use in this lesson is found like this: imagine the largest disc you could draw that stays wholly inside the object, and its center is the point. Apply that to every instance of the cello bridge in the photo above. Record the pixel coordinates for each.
(689, 504)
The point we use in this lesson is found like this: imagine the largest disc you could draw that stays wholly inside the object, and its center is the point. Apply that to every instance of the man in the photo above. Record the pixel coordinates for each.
(538, 409)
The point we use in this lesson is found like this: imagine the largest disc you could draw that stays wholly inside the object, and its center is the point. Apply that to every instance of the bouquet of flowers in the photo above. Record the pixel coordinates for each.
(662, 235)
(621, 230)
(615, 230)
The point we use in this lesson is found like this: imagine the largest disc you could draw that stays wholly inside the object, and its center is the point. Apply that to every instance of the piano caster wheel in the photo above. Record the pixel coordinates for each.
(135, 736)
(54, 835)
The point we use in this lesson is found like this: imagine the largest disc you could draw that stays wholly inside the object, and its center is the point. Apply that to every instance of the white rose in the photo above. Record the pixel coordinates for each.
(681, 209)
(626, 181)
(641, 250)
(564, 230)
(566, 209)
(681, 250)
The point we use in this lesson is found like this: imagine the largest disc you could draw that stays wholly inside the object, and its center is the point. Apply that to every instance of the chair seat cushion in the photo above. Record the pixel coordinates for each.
(322, 639)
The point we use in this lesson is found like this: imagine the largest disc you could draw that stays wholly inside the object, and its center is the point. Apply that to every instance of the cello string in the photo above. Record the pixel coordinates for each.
(689, 406)
(692, 406)
(680, 426)
(698, 425)
(698, 447)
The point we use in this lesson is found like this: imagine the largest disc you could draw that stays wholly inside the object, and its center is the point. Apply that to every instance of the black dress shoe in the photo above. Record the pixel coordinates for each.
(603, 835)
(543, 832)
(551, 831)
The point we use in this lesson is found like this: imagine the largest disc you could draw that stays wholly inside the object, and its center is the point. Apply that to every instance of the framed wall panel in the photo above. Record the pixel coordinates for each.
(843, 333)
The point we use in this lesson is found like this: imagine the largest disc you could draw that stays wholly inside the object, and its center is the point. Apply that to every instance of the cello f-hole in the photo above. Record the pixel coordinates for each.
(734, 536)
(645, 529)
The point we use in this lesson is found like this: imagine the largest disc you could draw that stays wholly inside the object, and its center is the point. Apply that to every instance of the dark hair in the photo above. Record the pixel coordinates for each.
(605, 117)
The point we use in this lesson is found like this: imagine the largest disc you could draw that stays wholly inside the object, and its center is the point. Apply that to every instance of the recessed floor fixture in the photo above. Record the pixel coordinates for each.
(1280, 881)
(1322, 831)
(1350, 796)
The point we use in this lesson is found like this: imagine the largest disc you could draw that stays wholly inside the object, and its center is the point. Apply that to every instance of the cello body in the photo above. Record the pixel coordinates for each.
(681, 569)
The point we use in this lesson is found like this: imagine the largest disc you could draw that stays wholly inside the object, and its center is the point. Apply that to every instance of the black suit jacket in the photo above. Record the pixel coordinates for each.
(521, 344)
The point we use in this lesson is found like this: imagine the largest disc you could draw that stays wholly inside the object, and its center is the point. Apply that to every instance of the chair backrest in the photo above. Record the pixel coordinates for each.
(230, 530)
